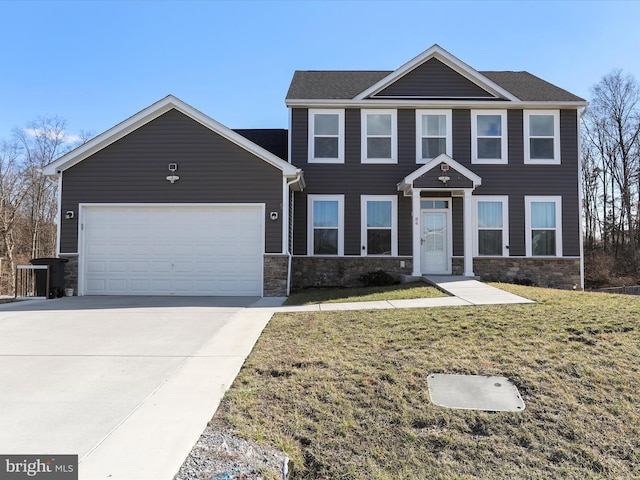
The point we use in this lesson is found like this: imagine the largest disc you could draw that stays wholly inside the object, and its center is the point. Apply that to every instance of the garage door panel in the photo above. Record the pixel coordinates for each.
(173, 250)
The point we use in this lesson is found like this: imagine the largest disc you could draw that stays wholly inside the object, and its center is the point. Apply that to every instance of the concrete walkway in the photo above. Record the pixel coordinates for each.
(463, 291)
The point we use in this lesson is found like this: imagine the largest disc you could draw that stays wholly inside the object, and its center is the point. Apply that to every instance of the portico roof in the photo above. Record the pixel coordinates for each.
(440, 173)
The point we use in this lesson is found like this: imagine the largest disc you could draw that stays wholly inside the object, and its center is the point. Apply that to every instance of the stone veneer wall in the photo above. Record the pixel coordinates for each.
(543, 272)
(343, 271)
(275, 275)
(71, 273)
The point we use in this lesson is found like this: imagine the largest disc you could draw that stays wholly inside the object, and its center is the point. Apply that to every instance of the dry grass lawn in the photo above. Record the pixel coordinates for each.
(345, 393)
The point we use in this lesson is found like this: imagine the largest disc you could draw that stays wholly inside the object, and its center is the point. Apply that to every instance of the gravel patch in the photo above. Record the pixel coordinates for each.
(220, 454)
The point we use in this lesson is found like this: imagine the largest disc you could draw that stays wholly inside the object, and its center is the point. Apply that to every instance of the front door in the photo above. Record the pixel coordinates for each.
(435, 256)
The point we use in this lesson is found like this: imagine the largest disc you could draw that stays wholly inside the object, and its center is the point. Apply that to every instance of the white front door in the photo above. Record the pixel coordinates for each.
(435, 255)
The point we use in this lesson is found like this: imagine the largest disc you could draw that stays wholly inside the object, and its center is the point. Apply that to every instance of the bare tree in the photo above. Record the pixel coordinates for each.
(611, 166)
(40, 143)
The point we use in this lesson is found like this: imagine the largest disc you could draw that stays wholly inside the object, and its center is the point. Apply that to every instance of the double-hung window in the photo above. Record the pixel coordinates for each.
(379, 136)
(379, 224)
(492, 220)
(489, 136)
(433, 131)
(326, 136)
(543, 222)
(326, 224)
(542, 137)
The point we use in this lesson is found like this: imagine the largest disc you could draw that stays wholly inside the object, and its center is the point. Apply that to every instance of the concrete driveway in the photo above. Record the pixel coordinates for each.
(126, 383)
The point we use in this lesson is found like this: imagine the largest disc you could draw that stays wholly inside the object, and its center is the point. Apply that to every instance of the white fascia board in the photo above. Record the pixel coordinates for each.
(430, 103)
(445, 57)
(150, 113)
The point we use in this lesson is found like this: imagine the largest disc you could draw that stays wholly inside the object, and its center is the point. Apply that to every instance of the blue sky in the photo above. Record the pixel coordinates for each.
(95, 63)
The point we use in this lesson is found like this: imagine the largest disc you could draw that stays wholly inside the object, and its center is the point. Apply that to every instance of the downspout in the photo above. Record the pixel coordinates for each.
(580, 195)
(289, 220)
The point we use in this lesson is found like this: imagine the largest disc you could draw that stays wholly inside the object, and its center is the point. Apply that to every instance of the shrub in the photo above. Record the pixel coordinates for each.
(379, 278)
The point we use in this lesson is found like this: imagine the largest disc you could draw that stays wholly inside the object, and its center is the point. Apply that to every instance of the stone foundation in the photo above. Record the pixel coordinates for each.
(343, 271)
(561, 273)
(71, 272)
(275, 275)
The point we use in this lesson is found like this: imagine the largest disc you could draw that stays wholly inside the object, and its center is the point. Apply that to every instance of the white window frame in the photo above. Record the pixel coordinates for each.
(503, 138)
(556, 137)
(504, 199)
(311, 137)
(394, 223)
(364, 136)
(558, 228)
(310, 229)
(420, 136)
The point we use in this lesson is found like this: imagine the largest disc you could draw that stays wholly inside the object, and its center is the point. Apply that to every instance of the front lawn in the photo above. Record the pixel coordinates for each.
(344, 394)
(363, 294)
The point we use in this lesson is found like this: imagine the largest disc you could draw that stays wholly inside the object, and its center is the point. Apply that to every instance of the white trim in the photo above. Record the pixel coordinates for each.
(151, 113)
(394, 222)
(504, 200)
(503, 138)
(59, 218)
(364, 135)
(452, 62)
(467, 219)
(415, 232)
(311, 135)
(557, 199)
(419, 134)
(327, 198)
(82, 240)
(556, 137)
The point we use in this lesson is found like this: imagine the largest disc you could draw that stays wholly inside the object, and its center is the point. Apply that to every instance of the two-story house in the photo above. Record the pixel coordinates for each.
(434, 168)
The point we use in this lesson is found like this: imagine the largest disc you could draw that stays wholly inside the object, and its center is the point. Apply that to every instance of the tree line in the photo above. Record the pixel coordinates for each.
(611, 181)
(610, 184)
(28, 204)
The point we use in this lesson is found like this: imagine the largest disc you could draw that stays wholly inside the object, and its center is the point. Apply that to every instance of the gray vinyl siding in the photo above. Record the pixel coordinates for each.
(434, 79)
(514, 179)
(211, 168)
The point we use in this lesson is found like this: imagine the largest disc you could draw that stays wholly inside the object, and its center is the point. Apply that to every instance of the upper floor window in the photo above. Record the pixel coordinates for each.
(379, 136)
(492, 219)
(489, 136)
(326, 224)
(433, 131)
(543, 223)
(542, 136)
(379, 224)
(326, 136)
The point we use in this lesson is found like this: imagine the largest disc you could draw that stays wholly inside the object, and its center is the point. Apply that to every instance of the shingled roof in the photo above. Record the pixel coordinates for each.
(346, 84)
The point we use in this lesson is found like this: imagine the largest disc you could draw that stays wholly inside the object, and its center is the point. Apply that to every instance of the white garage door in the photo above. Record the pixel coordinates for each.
(172, 250)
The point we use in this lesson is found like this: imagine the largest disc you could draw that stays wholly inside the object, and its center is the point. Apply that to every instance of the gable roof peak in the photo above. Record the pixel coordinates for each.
(449, 60)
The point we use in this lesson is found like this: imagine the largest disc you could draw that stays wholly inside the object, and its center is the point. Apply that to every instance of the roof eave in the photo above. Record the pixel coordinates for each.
(399, 102)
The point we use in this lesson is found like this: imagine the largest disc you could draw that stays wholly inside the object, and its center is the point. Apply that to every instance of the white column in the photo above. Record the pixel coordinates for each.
(415, 229)
(468, 234)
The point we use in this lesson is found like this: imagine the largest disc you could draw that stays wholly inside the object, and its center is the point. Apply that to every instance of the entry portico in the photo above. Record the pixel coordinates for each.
(432, 238)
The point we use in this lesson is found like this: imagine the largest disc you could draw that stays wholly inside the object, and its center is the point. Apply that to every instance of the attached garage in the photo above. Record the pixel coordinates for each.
(171, 202)
(172, 250)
